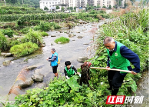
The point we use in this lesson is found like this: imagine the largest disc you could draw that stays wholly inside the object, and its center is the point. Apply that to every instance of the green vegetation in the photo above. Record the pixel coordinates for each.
(28, 17)
(18, 10)
(23, 49)
(34, 37)
(68, 93)
(132, 31)
(46, 26)
(8, 32)
(3, 42)
(62, 40)
(24, 3)
(44, 33)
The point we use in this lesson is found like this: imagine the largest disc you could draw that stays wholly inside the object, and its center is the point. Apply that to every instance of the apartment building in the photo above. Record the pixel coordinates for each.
(81, 3)
(106, 3)
(50, 4)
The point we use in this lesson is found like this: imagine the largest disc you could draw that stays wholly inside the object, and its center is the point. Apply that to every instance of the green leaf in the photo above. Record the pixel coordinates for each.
(101, 58)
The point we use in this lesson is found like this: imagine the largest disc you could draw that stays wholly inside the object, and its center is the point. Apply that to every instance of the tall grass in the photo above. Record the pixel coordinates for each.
(62, 40)
(23, 49)
(46, 26)
(3, 42)
(34, 37)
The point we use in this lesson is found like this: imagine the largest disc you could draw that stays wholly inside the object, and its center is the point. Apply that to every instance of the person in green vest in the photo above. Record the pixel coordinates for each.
(70, 70)
(119, 57)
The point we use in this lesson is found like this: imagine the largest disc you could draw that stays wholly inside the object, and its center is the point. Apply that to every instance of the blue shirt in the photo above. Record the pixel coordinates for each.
(128, 54)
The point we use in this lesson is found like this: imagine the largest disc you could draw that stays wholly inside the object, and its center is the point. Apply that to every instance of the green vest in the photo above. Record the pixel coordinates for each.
(70, 72)
(117, 60)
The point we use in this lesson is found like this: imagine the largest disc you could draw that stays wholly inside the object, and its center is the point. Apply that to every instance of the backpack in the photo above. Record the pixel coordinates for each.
(58, 61)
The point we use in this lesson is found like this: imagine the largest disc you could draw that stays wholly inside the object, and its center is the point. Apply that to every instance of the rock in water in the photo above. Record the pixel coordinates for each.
(31, 67)
(79, 37)
(41, 85)
(82, 59)
(26, 84)
(38, 77)
(71, 35)
(6, 54)
(53, 35)
(6, 63)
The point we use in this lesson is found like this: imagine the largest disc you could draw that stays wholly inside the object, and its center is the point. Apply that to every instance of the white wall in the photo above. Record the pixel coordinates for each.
(50, 4)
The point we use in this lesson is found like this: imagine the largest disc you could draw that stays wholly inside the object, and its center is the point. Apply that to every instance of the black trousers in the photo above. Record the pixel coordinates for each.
(115, 79)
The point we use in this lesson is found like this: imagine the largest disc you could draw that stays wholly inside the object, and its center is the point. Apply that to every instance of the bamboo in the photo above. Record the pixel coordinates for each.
(110, 69)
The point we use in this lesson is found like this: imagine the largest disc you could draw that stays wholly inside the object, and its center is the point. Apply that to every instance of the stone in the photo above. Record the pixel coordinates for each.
(53, 35)
(73, 40)
(71, 35)
(61, 31)
(37, 77)
(59, 42)
(85, 43)
(78, 32)
(80, 37)
(43, 45)
(26, 84)
(6, 54)
(6, 63)
(82, 59)
(31, 67)
(41, 85)
(37, 71)
(6, 36)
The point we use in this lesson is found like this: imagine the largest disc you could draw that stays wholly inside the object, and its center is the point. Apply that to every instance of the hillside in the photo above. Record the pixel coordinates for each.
(33, 3)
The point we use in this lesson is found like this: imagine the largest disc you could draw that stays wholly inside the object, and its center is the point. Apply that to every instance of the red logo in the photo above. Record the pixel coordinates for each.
(115, 99)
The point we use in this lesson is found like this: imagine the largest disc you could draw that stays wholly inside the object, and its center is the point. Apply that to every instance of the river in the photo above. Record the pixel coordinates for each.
(77, 47)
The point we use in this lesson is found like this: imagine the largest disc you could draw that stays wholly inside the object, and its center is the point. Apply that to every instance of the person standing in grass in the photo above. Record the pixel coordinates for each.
(70, 70)
(54, 61)
(119, 57)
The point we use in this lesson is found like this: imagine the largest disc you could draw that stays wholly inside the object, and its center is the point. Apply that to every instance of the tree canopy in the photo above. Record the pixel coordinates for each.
(33, 3)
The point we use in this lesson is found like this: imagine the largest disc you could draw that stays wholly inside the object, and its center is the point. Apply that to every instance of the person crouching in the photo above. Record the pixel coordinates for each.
(69, 70)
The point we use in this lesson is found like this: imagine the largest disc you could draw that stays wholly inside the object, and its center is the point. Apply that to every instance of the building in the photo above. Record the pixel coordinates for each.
(105, 3)
(91, 2)
(50, 4)
(81, 3)
(72, 3)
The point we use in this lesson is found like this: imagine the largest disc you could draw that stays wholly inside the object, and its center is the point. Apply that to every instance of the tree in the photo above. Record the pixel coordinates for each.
(98, 6)
(62, 9)
(109, 7)
(45, 8)
(57, 7)
(104, 6)
(71, 8)
(74, 8)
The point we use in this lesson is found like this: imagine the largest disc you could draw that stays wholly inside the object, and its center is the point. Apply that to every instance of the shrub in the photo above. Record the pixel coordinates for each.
(46, 26)
(3, 42)
(62, 40)
(25, 30)
(23, 49)
(8, 32)
(44, 33)
(55, 25)
(33, 36)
